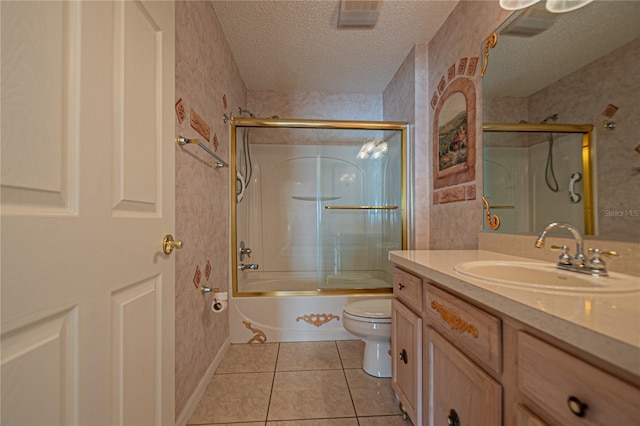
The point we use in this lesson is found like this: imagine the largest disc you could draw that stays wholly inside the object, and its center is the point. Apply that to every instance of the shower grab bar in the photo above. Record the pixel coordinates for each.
(183, 141)
(360, 207)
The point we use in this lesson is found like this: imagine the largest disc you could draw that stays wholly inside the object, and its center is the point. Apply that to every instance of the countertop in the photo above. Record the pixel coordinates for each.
(606, 325)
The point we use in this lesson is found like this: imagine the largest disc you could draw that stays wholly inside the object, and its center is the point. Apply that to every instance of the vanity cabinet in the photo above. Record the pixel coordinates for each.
(480, 366)
(406, 342)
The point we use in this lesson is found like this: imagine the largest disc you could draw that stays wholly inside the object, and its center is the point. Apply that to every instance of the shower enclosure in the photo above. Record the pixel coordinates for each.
(535, 174)
(318, 205)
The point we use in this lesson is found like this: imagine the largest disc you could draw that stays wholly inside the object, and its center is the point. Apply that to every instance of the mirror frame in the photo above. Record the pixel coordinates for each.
(587, 157)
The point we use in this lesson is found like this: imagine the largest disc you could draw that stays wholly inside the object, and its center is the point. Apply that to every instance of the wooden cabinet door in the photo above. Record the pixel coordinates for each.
(460, 393)
(406, 358)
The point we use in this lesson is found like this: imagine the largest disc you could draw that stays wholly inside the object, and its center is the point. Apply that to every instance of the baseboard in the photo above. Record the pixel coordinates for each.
(192, 403)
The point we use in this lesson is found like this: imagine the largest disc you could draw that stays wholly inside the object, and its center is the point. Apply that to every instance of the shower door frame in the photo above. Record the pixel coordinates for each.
(236, 122)
(587, 157)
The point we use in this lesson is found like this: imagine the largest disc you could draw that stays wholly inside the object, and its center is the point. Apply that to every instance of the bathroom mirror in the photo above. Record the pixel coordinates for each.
(576, 68)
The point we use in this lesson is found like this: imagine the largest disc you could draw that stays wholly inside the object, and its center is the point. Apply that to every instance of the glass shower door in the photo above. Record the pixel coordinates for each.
(359, 210)
(319, 207)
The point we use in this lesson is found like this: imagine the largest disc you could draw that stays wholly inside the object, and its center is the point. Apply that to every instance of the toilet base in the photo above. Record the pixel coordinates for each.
(377, 361)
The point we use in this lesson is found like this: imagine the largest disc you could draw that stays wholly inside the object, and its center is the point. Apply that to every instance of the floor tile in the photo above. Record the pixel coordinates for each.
(310, 395)
(372, 396)
(351, 353)
(384, 421)
(234, 398)
(249, 358)
(239, 424)
(308, 356)
(317, 422)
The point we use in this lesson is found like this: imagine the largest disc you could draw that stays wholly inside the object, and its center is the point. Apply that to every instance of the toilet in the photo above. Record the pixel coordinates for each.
(370, 320)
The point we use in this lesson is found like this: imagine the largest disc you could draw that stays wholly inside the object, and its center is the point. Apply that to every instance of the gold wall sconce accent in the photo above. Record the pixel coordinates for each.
(493, 222)
(318, 319)
(489, 43)
(454, 320)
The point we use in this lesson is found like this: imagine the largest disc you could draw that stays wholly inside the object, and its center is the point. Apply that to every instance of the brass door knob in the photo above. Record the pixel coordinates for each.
(168, 244)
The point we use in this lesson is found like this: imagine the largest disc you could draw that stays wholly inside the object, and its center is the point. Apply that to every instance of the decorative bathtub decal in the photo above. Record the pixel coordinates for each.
(318, 319)
(259, 335)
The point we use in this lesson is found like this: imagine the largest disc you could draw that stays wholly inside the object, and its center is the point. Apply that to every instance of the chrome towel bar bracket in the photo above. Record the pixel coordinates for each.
(183, 141)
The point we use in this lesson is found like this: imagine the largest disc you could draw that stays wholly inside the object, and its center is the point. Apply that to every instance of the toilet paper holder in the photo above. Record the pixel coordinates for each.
(219, 298)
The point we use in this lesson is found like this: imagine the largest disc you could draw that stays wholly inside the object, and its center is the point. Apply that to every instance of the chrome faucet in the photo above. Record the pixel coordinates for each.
(579, 262)
(243, 267)
(579, 257)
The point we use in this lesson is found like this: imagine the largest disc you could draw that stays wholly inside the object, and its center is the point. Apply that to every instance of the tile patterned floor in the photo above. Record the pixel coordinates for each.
(290, 384)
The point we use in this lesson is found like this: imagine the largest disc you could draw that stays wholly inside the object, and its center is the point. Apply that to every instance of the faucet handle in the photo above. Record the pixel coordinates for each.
(597, 252)
(564, 258)
(596, 262)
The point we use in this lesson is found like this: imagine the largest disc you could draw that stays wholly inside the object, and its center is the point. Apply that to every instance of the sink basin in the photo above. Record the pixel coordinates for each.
(545, 276)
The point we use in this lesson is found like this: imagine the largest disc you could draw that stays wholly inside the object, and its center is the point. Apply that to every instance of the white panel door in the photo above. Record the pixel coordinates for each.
(87, 186)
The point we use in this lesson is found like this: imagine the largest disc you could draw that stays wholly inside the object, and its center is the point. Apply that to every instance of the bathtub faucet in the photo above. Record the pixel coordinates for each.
(243, 267)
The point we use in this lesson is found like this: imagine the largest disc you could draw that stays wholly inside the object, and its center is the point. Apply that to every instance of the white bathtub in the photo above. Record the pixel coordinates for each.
(290, 318)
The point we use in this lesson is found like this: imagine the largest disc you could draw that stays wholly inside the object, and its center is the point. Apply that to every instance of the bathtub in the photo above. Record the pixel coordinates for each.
(295, 318)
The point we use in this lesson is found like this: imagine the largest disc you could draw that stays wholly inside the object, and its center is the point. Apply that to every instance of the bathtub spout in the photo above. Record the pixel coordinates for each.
(243, 267)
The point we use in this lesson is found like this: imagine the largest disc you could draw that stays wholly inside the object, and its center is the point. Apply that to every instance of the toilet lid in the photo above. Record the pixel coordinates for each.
(376, 308)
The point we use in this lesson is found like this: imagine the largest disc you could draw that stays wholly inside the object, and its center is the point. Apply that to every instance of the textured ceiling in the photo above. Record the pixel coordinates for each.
(296, 46)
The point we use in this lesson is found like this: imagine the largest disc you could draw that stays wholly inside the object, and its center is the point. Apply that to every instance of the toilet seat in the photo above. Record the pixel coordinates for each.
(376, 310)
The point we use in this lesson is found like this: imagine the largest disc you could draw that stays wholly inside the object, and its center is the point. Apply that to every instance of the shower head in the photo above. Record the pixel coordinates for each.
(245, 111)
(552, 117)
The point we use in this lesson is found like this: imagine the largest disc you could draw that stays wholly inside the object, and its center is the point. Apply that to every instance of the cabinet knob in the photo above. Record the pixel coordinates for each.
(403, 356)
(453, 419)
(577, 407)
(400, 286)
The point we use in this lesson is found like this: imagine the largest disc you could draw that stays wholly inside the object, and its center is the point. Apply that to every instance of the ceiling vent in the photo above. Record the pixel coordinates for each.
(359, 14)
(531, 22)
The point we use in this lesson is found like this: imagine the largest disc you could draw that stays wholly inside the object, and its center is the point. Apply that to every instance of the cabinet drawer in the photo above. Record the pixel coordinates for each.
(476, 332)
(408, 288)
(551, 377)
